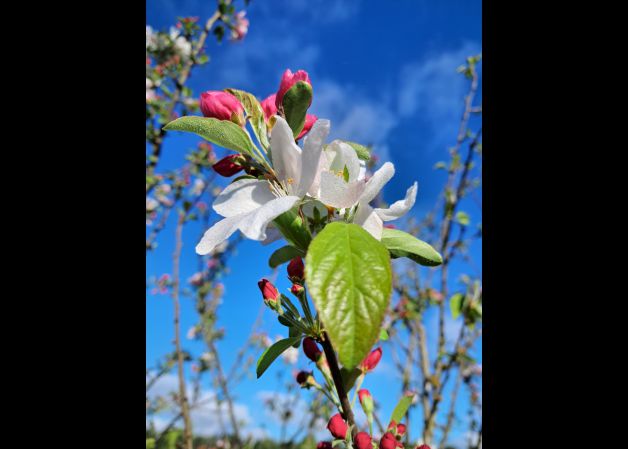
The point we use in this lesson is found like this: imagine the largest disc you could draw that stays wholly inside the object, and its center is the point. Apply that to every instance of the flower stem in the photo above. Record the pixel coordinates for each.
(340, 388)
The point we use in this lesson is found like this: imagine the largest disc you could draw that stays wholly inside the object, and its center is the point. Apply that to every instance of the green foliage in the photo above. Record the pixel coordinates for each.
(294, 230)
(350, 280)
(269, 356)
(463, 218)
(221, 132)
(283, 255)
(296, 102)
(401, 409)
(402, 244)
(455, 305)
(255, 115)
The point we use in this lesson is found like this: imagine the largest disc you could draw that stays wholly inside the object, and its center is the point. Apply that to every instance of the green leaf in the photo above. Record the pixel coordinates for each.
(363, 152)
(463, 218)
(283, 321)
(455, 305)
(402, 244)
(273, 352)
(296, 102)
(401, 409)
(383, 335)
(254, 113)
(293, 230)
(150, 443)
(221, 132)
(349, 376)
(294, 332)
(283, 255)
(350, 279)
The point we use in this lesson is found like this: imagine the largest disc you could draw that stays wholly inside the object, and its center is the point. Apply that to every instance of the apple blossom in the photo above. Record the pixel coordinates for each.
(288, 80)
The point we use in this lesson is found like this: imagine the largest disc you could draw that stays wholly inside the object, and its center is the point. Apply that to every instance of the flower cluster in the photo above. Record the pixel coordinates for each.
(317, 179)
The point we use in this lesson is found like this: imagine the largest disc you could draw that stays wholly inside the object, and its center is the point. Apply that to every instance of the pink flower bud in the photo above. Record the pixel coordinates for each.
(362, 441)
(310, 348)
(287, 81)
(401, 429)
(388, 441)
(366, 401)
(228, 166)
(371, 360)
(337, 427)
(310, 119)
(296, 289)
(323, 445)
(269, 107)
(392, 427)
(295, 269)
(269, 291)
(222, 105)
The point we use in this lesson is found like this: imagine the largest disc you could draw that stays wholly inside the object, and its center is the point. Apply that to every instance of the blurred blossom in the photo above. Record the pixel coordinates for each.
(151, 204)
(198, 186)
(207, 357)
(182, 46)
(290, 355)
(202, 207)
(191, 335)
(196, 279)
(241, 26)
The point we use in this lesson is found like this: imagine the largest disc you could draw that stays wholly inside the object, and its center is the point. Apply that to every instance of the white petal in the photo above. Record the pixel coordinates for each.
(285, 153)
(217, 234)
(242, 196)
(337, 193)
(377, 182)
(253, 226)
(399, 208)
(272, 235)
(344, 155)
(368, 219)
(311, 155)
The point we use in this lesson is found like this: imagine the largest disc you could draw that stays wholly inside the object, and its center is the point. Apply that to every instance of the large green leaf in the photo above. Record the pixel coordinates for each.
(221, 132)
(350, 280)
(294, 230)
(254, 113)
(402, 244)
(283, 255)
(296, 102)
(273, 352)
(401, 408)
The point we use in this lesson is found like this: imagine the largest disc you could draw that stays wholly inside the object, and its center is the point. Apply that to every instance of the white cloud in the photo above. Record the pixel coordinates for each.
(432, 89)
(208, 417)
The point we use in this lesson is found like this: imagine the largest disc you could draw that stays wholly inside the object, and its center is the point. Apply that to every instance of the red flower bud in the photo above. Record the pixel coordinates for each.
(392, 427)
(310, 348)
(362, 441)
(228, 166)
(287, 81)
(303, 377)
(310, 119)
(295, 268)
(269, 291)
(371, 360)
(323, 445)
(296, 289)
(401, 429)
(364, 393)
(269, 107)
(222, 105)
(388, 441)
(337, 427)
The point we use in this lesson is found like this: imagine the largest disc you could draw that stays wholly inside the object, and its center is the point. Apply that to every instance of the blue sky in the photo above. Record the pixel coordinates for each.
(384, 74)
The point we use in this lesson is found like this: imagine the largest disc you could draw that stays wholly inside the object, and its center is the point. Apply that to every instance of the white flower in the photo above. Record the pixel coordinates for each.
(191, 335)
(207, 357)
(250, 205)
(342, 186)
(290, 355)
